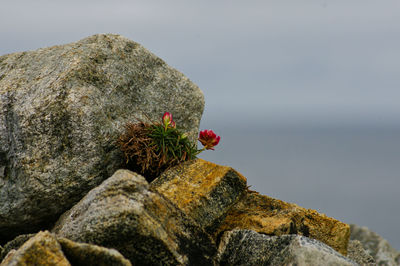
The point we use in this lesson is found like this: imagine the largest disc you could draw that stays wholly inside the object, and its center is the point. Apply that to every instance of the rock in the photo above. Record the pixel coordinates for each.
(247, 247)
(16, 243)
(61, 109)
(357, 253)
(275, 217)
(203, 190)
(86, 254)
(42, 249)
(45, 249)
(375, 245)
(8, 257)
(146, 228)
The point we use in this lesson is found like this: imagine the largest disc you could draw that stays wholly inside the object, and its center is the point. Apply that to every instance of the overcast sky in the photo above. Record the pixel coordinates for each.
(314, 60)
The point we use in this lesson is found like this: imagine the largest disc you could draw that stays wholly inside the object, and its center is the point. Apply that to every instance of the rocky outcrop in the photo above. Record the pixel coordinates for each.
(146, 228)
(203, 190)
(375, 245)
(61, 108)
(216, 197)
(275, 217)
(247, 247)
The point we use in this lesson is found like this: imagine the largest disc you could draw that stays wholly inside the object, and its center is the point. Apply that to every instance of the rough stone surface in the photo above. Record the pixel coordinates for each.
(375, 245)
(42, 249)
(146, 228)
(61, 108)
(357, 253)
(275, 217)
(203, 190)
(86, 254)
(16, 243)
(247, 247)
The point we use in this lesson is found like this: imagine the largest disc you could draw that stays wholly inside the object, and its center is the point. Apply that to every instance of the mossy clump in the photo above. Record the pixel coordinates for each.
(150, 149)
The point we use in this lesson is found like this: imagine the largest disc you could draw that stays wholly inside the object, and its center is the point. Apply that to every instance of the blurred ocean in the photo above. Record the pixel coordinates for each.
(351, 173)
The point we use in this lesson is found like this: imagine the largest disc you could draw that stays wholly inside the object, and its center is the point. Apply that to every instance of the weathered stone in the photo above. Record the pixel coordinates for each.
(86, 254)
(375, 245)
(61, 109)
(16, 243)
(275, 217)
(247, 247)
(357, 253)
(146, 228)
(203, 190)
(42, 249)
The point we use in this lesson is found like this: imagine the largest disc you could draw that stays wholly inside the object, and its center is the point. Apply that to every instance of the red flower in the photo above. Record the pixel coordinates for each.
(167, 120)
(209, 139)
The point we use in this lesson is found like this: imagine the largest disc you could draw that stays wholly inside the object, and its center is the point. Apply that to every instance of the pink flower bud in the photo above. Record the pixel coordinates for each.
(209, 139)
(167, 119)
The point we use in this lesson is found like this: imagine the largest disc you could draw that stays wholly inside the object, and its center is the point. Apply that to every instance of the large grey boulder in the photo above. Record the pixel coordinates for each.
(247, 247)
(375, 245)
(61, 108)
(146, 228)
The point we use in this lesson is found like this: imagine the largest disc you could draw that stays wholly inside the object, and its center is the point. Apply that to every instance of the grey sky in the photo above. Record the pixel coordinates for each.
(307, 60)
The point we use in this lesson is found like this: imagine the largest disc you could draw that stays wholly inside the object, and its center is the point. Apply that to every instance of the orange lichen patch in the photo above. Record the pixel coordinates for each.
(275, 217)
(203, 190)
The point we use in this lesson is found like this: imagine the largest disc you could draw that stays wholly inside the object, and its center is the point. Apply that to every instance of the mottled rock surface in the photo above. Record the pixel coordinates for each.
(275, 217)
(86, 254)
(203, 190)
(357, 253)
(42, 249)
(62, 107)
(146, 228)
(247, 247)
(16, 243)
(375, 245)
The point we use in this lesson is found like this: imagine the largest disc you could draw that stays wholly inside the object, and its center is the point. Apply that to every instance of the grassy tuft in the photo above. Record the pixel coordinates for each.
(150, 149)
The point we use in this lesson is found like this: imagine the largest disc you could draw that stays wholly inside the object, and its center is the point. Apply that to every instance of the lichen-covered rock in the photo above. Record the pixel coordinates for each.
(203, 190)
(146, 228)
(247, 247)
(42, 249)
(16, 243)
(357, 253)
(86, 254)
(275, 217)
(61, 109)
(375, 245)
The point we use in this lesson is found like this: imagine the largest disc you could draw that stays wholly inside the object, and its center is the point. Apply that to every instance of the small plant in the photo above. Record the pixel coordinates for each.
(151, 148)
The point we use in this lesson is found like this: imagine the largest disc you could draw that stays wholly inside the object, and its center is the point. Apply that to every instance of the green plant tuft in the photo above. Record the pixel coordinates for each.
(150, 149)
